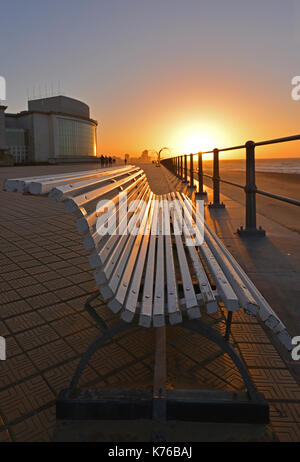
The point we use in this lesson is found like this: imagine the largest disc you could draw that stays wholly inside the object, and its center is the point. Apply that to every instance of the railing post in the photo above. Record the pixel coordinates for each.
(200, 176)
(216, 182)
(191, 171)
(250, 191)
(185, 169)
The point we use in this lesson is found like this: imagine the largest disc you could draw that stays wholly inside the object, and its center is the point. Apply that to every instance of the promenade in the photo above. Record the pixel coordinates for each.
(44, 281)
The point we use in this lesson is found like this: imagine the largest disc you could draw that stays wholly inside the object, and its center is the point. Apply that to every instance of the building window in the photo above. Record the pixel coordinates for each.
(76, 138)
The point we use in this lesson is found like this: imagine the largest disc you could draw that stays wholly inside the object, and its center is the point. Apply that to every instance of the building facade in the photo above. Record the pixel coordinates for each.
(56, 129)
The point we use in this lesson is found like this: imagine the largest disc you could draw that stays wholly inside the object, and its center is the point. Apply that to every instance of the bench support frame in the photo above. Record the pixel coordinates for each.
(188, 405)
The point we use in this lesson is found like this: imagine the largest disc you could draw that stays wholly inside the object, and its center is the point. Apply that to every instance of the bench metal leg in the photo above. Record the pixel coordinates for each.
(228, 326)
(100, 340)
(92, 311)
(162, 405)
(214, 336)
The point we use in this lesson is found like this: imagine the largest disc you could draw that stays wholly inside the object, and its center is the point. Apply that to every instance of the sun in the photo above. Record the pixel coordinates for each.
(199, 142)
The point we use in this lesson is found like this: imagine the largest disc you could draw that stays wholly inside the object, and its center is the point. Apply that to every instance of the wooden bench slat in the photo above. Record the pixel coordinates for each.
(86, 222)
(245, 298)
(191, 303)
(158, 317)
(147, 298)
(227, 294)
(132, 248)
(92, 241)
(209, 299)
(112, 269)
(61, 193)
(44, 185)
(132, 299)
(71, 205)
(174, 311)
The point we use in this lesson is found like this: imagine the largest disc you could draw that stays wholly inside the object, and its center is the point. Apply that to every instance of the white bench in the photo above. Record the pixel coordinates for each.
(151, 277)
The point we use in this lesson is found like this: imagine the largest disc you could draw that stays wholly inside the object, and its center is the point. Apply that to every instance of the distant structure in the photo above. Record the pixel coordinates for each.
(55, 129)
(145, 155)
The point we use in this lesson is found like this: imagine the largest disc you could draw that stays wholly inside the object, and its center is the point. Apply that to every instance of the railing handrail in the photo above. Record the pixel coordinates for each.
(250, 187)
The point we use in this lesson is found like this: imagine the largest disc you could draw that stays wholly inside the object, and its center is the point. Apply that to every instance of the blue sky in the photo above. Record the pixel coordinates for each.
(145, 66)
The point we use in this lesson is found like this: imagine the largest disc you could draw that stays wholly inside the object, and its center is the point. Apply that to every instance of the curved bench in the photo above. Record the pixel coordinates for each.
(155, 259)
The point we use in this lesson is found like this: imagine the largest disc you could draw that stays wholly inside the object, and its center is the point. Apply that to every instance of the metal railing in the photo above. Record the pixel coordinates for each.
(179, 166)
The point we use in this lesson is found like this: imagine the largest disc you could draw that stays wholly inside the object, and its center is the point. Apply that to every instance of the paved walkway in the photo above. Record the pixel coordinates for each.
(44, 282)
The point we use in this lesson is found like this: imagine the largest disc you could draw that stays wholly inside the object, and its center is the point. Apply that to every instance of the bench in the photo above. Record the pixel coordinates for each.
(153, 275)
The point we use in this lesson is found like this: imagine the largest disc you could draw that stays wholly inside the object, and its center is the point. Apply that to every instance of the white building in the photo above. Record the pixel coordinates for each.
(56, 129)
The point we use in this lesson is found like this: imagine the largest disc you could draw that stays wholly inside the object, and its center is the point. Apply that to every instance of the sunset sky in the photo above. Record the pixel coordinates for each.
(190, 75)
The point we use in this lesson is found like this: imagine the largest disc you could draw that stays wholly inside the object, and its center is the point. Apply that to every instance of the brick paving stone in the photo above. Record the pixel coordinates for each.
(4, 286)
(55, 284)
(81, 340)
(52, 354)
(12, 347)
(67, 293)
(140, 343)
(88, 286)
(15, 308)
(31, 290)
(178, 363)
(209, 381)
(15, 369)
(5, 436)
(30, 265)
(249, 333)
(21, 400)
(60, 377)
(9, 268)
(38, 269)
(260, 355)
(287, 432)
(118, 358)
(197, 348)
(38, 428)
(57, 311)
(14, 275)
(224, 368)
(275, 383)
(81, 277)
(9, 296)
(71, 324)
(285, 412)
(24, 321)
(78, 303)
(59, 265)
(36, 337)
(45, 299)
(131, 377)
(4, 332)
(23, 282)
(50, 275)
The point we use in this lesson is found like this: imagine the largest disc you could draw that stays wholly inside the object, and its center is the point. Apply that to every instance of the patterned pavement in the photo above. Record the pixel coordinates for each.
(44, 281)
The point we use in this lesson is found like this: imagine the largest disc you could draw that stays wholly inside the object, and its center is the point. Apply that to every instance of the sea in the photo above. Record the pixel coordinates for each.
(277, 165)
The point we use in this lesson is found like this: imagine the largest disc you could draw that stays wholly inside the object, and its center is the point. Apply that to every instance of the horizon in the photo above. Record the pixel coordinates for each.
(156, 74)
